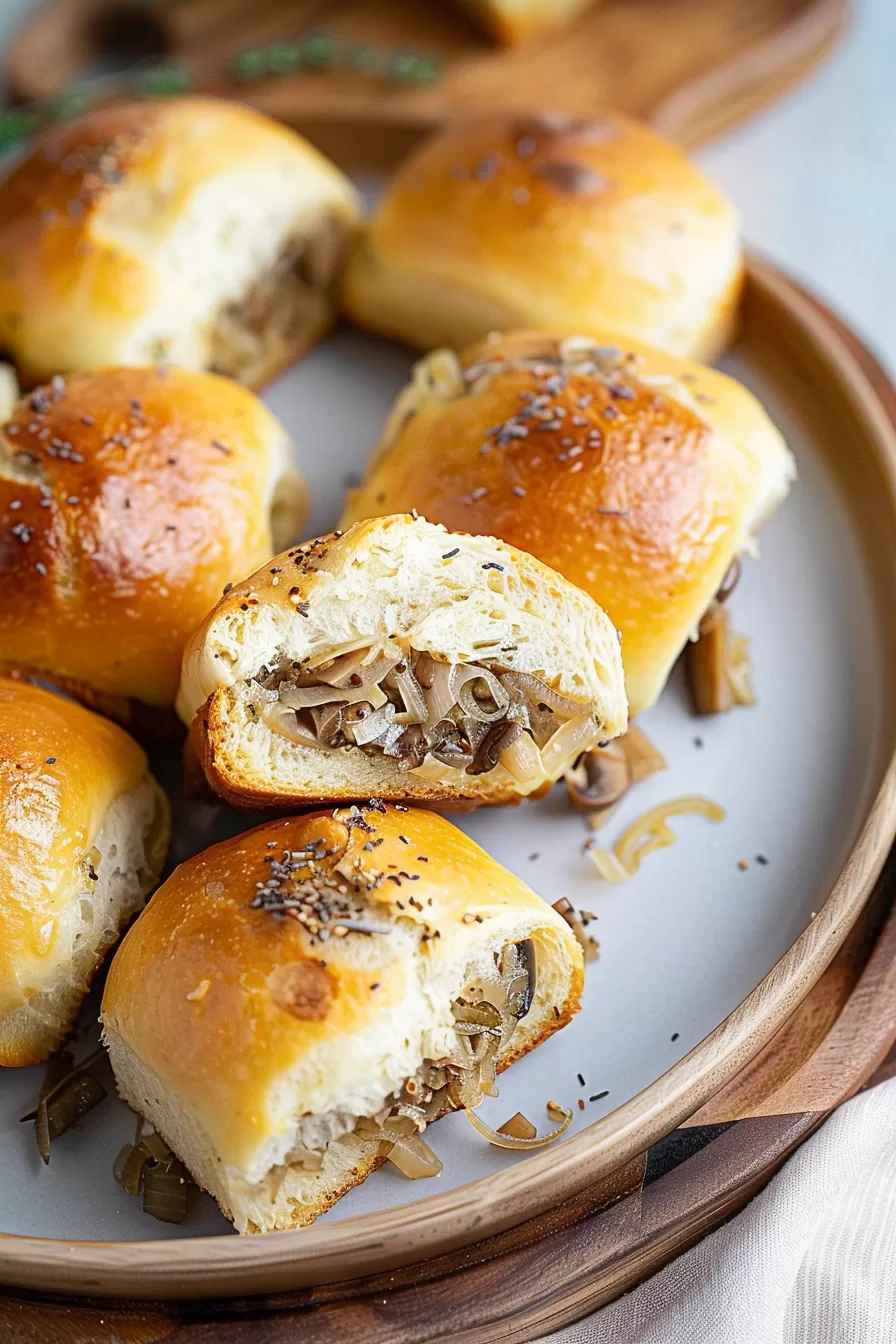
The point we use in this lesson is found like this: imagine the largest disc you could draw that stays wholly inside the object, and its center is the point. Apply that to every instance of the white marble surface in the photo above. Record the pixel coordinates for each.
(814, 175)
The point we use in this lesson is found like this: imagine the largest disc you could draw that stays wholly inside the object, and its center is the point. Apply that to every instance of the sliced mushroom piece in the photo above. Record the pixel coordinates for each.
(327, 723)
(719, 666)
(497, 739)
(600, 777)
(448, 746)
(411, 748)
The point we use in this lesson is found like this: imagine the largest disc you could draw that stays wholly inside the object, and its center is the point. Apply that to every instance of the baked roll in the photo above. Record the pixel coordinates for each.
(128, 497)
(549, 222)
(84, 831)
(399, 661)
(515, 21)
(638, 476)
(297, 1000)
(186, 231)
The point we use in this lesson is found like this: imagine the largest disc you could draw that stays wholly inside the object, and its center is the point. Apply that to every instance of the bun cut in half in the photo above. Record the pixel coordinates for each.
(299, 1002)
(127, 499)
(401, 661)
(638, 476)
(185, 231)
(84, 831)
(553, 222)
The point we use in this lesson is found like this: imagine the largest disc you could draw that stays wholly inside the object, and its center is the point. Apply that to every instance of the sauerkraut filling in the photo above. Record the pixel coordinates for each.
(435, 719)
(486, 1015)
(286, 304)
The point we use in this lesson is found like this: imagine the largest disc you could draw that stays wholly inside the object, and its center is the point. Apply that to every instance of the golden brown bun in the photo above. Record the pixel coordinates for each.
(552, 223)
(128, 498)
(639, 479)
(129, 235)
(460, 599)
(83, 834)
(233, 1029)
(514, 21)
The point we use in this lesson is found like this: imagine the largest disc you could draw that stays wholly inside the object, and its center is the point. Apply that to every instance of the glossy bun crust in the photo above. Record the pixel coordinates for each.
(128, 498)
(638, 476)
(232, 1027)
(174, 231)
(83, 835)
(549, 222)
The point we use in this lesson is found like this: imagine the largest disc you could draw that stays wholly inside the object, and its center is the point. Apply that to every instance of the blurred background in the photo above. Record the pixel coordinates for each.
(813, 170)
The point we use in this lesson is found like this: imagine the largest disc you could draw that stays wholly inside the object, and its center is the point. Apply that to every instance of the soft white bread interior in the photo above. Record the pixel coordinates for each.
(84, 831)
(304, 982)
(399, 586)
(187, 231)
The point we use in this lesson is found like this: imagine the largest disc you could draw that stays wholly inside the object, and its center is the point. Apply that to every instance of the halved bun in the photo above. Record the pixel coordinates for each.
(84, 831)
(186, 231)
(391, 592)
(291, 982)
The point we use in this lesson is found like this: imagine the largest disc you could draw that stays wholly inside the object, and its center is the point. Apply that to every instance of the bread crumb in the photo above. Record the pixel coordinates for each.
(743, 865)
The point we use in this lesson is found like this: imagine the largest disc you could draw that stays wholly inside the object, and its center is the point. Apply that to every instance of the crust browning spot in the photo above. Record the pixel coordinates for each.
(302, 988)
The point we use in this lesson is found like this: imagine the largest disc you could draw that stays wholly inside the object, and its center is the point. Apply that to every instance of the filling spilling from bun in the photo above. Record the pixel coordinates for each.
(485, 1016)
(286, 306)
(440, 720)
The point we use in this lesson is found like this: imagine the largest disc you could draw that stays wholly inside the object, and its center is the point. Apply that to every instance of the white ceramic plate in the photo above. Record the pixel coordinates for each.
(684, 941)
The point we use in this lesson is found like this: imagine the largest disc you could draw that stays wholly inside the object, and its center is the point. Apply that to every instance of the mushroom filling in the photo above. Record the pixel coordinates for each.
(485, 1015)
(284, 307)
(440, 720)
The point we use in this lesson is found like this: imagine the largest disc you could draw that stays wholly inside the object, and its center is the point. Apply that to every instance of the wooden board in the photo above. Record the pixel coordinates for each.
(573, 1227)
(692, 67)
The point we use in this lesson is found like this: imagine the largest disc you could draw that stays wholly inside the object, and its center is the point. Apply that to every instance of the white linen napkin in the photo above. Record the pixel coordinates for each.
(812, 1260)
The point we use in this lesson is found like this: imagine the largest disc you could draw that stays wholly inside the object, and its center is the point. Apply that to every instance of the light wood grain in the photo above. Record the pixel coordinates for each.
(693, 66)
(815, 367)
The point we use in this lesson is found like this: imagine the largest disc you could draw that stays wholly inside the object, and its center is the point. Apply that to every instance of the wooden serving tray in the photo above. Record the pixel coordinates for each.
(607, 1208)
(692, 67)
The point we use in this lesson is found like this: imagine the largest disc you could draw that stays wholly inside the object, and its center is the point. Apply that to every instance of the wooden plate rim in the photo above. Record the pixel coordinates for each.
(370, 1243)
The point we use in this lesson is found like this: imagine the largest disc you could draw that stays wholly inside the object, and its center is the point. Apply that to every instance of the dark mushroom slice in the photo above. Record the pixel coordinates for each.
(600, 777)
(603, 775)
